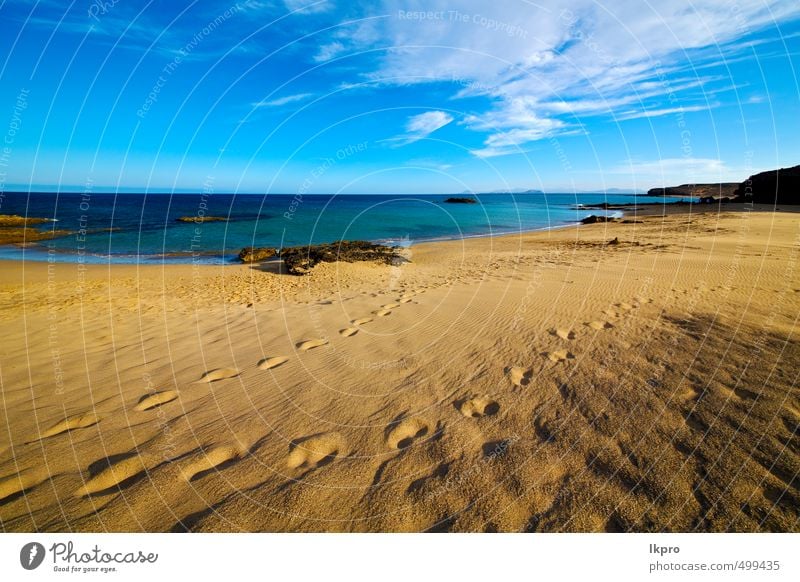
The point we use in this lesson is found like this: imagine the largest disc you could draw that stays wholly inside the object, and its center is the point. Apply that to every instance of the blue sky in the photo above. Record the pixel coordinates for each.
(370, 97)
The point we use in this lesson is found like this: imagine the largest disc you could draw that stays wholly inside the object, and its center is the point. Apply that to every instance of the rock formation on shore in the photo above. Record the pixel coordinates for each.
(780, 186)
(722, 189)
(594, 219)
(300, 260)
(256, 254)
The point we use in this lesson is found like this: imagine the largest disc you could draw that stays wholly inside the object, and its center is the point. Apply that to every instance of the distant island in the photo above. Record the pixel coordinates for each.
(461, 200)
(512, 191)
(613, 191)
(201, 219)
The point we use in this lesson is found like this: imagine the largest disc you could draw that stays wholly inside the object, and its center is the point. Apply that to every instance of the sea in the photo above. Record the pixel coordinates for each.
(144, 228)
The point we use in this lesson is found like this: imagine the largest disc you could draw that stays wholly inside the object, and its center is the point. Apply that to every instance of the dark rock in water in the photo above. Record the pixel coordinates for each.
(201, 219)
(461, 201)
(595, 219)
(606, 206)
(300, 260)
(256, 254)
(774, 187)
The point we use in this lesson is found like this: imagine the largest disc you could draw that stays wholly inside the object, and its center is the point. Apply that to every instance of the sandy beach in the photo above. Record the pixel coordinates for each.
(637, 376)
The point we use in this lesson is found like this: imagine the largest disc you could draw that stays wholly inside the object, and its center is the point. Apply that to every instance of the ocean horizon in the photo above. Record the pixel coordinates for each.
(144, 228)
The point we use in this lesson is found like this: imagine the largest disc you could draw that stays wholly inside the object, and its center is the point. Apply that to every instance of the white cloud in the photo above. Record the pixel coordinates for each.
(308, 6)
(661, 112)
(511, 126)
(283, 100)
(328, 51)
(563, 60)
(421, 126)
(424, 124)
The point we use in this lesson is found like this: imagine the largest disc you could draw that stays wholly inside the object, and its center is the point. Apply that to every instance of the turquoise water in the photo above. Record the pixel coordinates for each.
(142, 228)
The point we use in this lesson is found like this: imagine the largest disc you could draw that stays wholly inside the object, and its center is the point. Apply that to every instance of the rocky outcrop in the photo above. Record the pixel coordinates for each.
(592, 219)
(256, 254)
(457, 200)
(699, 190)
(16, 220)
(24, 235)
(780, 186)
(300, 260)
(15, 229)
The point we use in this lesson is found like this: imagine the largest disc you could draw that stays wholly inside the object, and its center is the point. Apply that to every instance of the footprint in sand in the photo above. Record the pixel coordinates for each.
(156, 399)
(217, 374)
(348, 331)
(598, 325)
(405, 300)
(695, 423)
(390, 305)
(382, 312)
(71, 423)
(624, 306)
(610, 313)
(361, 321)
(478, 407)
(273, 362)
(114, 475)
(559, 356)
(316, 451)
(212, 460)
(688, 394)
(406, 432)
(564, 334)
(311, 344)
(23, 481)
(520, 376)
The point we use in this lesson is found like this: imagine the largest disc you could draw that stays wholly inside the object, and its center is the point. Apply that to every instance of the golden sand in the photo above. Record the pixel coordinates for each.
(544, 382)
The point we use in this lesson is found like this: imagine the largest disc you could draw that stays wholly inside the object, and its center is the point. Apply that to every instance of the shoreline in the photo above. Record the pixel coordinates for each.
(228, 260)
(42, 254)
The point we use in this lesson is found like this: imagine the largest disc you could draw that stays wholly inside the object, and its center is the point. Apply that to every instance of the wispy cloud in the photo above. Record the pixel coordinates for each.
(429, 164)
(664, 111)
(421, 126)
(511, 126)
(283, 100)
(309, 6)
(563, 61)
(328, 51)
